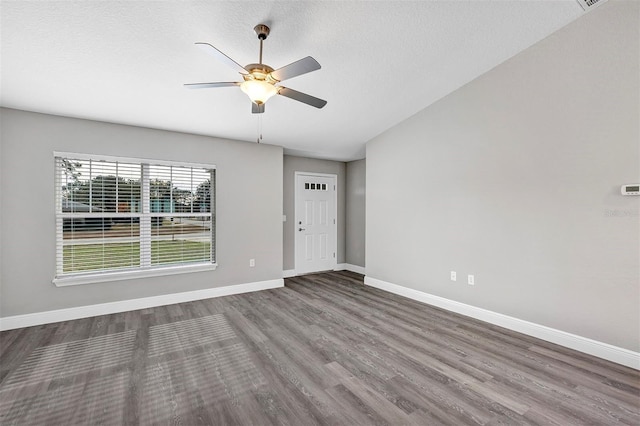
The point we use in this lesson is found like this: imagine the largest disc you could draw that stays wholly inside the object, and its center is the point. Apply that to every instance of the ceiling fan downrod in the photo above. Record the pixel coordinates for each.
(262, 31)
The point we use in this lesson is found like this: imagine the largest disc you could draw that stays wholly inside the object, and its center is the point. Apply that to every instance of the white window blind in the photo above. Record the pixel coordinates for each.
(118, 215)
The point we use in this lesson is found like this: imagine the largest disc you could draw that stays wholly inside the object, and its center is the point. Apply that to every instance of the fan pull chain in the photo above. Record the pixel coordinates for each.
(259, 128)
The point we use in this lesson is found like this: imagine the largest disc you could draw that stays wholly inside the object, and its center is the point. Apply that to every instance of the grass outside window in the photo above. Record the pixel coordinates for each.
(78, 257)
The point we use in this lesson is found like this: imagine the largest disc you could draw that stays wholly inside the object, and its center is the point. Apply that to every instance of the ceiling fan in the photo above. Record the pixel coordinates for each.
(260, 80)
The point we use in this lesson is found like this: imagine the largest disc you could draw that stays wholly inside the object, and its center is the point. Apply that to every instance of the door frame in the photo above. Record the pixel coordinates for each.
(333, 176)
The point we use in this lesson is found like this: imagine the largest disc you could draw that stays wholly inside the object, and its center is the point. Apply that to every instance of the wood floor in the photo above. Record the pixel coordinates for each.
(323, 350)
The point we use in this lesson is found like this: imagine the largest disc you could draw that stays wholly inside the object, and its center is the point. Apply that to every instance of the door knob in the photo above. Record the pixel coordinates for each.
(301, 229)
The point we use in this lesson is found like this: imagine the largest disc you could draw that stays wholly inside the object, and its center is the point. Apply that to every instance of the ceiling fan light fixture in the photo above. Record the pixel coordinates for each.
(259, 91)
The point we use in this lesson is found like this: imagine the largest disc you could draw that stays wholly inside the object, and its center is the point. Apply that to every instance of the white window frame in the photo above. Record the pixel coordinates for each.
(145, 269)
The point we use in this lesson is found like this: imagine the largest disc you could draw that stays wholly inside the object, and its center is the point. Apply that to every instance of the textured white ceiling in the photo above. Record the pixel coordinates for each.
(382, 61)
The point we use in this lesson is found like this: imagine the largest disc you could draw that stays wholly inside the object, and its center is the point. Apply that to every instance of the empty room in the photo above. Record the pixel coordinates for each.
(320, 212)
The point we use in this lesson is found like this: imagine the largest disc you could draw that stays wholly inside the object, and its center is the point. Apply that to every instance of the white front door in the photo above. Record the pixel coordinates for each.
(315, 222)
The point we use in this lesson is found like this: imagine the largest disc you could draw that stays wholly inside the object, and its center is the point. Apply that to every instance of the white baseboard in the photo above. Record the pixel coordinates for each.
(572, 341)
(349, 267)
(289, 273)
(38, 318)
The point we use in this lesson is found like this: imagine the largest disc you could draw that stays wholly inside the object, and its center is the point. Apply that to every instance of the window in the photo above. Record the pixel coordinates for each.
(315, 186)
(120, 218)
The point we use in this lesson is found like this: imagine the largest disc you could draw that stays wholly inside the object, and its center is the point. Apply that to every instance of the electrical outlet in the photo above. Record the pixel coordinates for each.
(252, 263)
(453, 275)
(471, 280)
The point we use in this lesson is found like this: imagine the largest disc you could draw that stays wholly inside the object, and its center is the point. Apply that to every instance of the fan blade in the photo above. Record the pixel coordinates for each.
(257, 109)
(296, 68)
(221, 57)
(211, 85)
(301, 97)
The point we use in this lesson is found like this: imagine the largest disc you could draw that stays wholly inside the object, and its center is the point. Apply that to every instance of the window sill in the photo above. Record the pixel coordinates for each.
(131, 275)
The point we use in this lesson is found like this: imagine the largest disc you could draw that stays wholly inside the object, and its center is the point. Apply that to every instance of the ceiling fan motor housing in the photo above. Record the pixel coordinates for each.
(259, 72)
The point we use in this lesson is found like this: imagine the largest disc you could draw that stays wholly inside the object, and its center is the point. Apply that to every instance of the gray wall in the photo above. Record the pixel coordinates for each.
(356, 211)
(515, 178)
(249, 208)
(300, 164)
